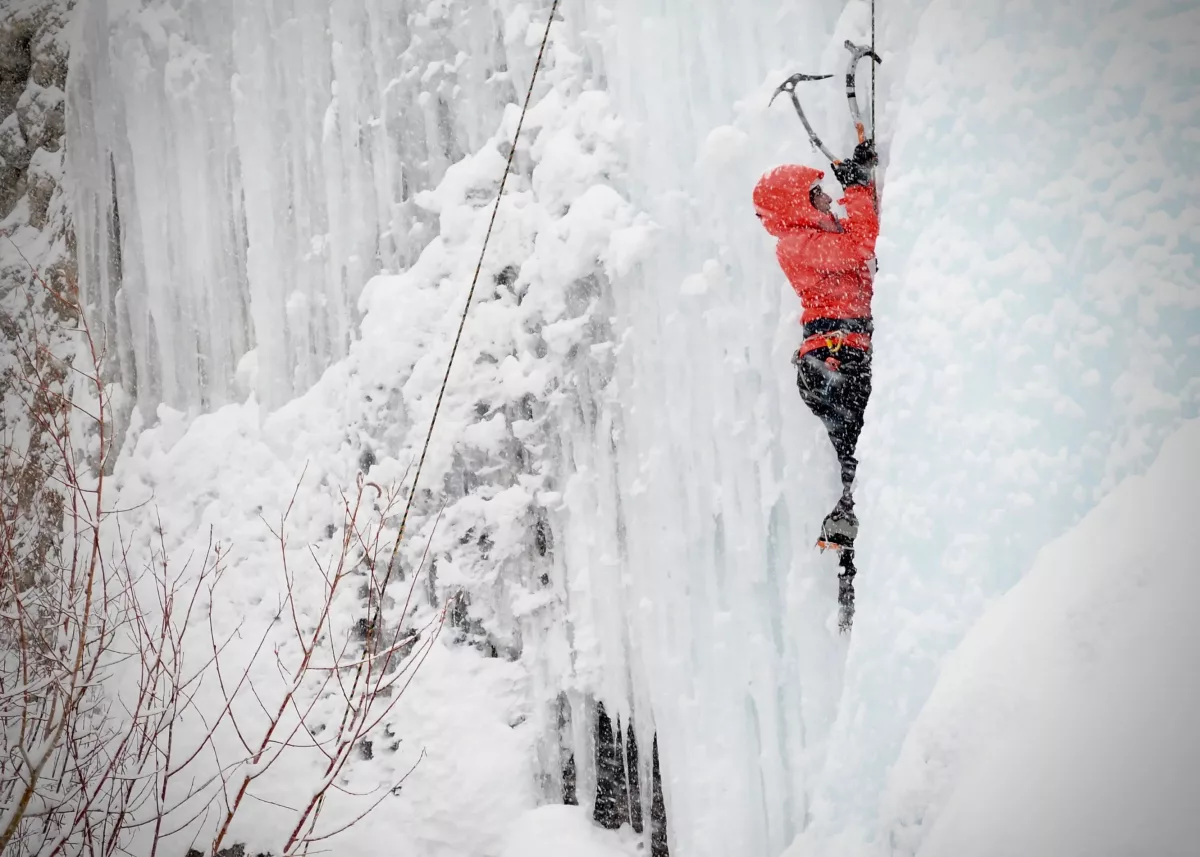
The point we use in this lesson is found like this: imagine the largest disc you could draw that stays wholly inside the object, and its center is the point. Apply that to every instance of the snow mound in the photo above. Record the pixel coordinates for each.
(1064, 723)
(552, 831)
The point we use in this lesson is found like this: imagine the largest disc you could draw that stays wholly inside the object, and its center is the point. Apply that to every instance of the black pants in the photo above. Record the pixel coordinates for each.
(836, 387)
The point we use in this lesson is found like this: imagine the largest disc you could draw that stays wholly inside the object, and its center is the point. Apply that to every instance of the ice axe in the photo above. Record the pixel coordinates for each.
(789, 86)
(857, 52)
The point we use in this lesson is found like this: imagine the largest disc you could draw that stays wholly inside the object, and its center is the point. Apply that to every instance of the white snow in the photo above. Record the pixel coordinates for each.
(1064, 722)
(550, 831)
(303, 191)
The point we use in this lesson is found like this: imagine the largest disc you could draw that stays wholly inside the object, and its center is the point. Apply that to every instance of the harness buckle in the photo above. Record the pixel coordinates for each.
(834, 340)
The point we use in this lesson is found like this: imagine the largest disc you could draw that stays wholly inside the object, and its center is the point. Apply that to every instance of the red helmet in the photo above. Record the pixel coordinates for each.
(781, 196)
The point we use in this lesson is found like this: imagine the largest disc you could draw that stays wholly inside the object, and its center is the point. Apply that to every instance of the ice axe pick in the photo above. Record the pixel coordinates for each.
(789, 86)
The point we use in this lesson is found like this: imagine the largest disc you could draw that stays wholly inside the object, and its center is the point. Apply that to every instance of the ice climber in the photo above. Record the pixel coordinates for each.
(829, 263)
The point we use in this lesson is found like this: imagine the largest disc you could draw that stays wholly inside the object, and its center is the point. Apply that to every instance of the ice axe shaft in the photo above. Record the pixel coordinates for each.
(789, 86)
(857, 52)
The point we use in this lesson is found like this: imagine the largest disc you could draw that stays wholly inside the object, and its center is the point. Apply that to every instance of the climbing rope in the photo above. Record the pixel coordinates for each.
(470, 294)
(874, 121)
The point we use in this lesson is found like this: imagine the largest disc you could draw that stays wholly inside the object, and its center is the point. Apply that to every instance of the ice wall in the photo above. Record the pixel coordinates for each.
(722, 482)
(1037, 316)
(632, 485)
(256, 163)
(1039, 309)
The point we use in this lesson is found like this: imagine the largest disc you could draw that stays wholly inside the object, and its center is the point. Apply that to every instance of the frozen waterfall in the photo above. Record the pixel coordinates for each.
(279, 205)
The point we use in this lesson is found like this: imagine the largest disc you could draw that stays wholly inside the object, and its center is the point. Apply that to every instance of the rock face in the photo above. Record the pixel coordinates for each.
(35, 228)
(33, 76)
(35, 235)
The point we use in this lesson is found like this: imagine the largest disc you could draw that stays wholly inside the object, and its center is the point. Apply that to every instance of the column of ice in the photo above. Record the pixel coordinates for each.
(719, 604)
(262, 158)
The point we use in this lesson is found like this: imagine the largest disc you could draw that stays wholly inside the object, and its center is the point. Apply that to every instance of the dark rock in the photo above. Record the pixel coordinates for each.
(15, 62)
(237, 850)
(618, 782)
(612, 808)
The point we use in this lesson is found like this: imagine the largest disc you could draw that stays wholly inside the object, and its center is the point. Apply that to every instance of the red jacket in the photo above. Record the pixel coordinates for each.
(827, 262)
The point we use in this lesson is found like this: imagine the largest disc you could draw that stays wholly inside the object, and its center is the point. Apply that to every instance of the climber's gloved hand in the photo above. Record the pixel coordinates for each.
(856, 170)
(864, 154)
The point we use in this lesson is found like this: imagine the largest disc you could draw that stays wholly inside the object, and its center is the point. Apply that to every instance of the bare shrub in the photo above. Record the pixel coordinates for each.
(99, 663)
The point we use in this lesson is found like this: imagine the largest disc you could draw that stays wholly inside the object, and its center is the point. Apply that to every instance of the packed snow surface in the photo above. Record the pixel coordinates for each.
(1060, 724)
(624, 483)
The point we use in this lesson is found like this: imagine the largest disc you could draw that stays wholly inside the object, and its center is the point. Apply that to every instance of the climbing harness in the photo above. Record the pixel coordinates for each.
(835, 340)
(857, 52)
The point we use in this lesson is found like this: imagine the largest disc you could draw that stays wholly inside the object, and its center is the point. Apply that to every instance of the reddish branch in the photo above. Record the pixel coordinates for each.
(89, 769)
